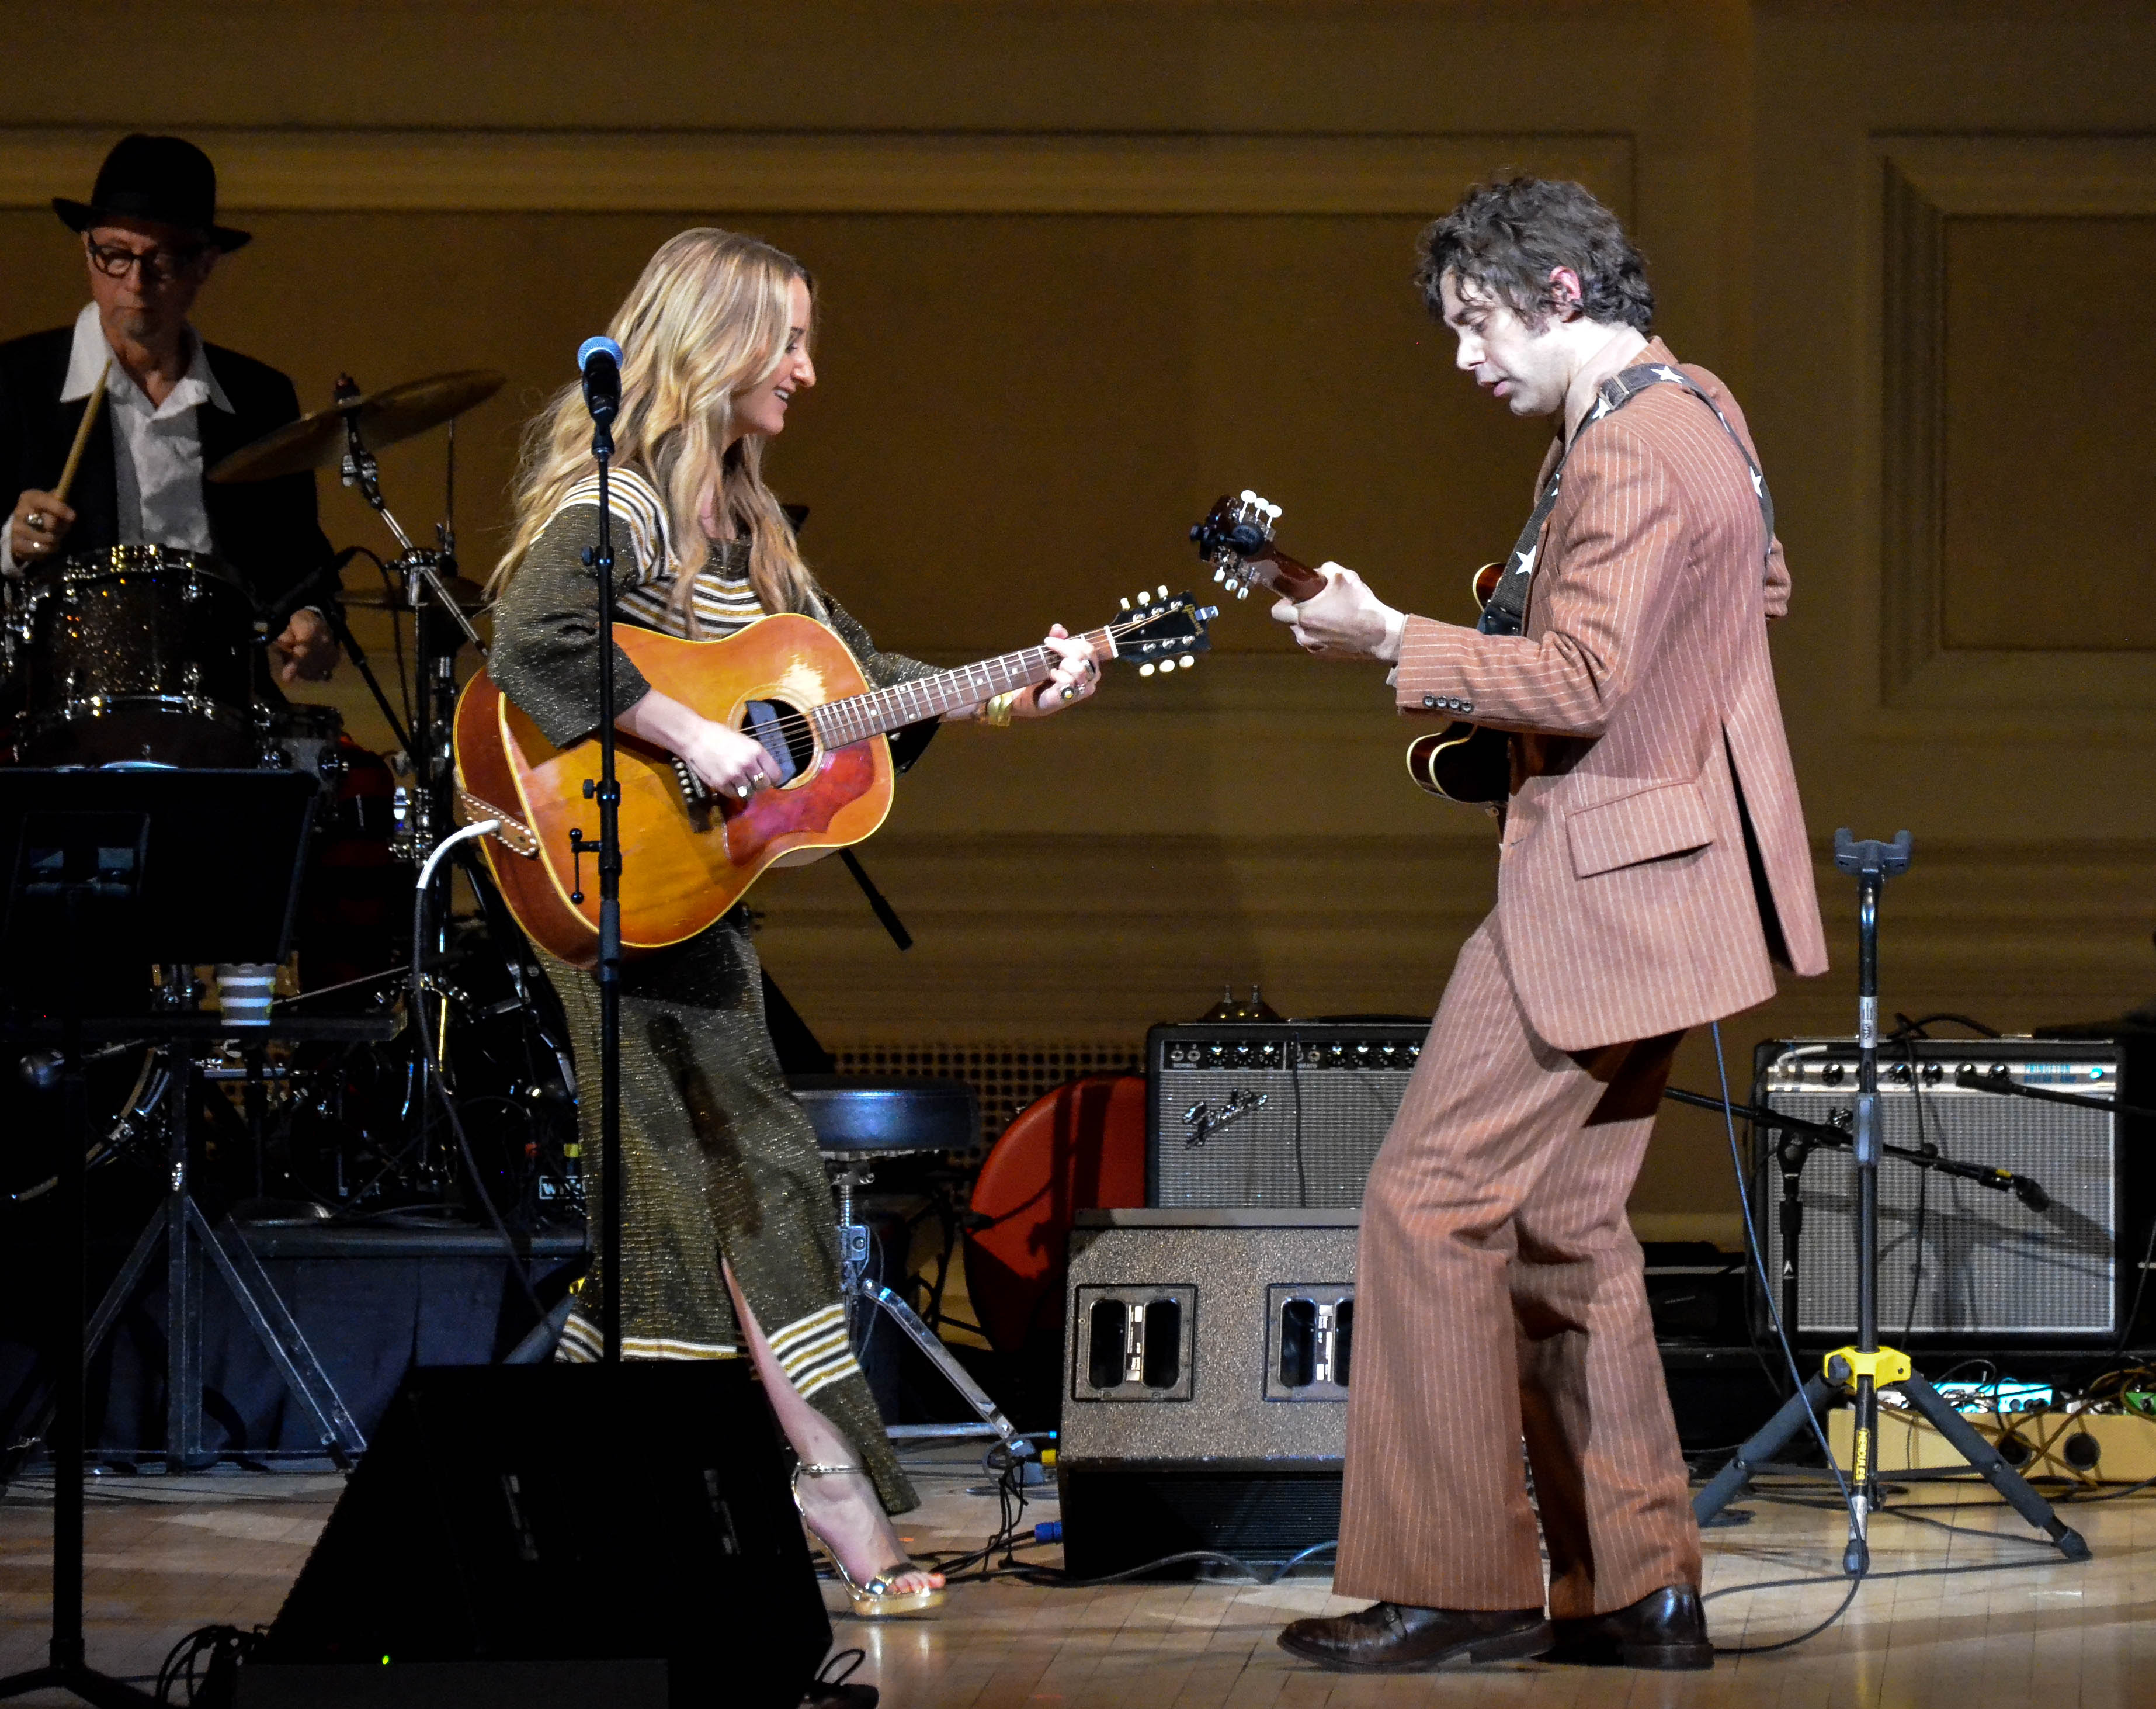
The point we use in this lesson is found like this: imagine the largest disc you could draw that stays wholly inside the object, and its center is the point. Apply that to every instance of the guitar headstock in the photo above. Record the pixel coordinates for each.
(1236, 533)
(1160, 632)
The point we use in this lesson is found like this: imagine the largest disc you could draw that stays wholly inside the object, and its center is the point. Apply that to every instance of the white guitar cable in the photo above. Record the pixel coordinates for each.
(432, 1064)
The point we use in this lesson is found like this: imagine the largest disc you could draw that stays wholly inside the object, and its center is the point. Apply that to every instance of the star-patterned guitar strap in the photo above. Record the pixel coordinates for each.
(1507, 612)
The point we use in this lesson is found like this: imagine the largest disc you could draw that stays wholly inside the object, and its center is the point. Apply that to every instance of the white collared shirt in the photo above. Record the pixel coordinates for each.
(158, 459)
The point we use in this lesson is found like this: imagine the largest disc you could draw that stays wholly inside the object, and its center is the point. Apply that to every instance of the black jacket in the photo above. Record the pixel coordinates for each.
(266, 530)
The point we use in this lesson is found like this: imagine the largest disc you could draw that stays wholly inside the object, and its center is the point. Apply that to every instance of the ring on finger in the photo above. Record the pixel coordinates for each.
(36, 519)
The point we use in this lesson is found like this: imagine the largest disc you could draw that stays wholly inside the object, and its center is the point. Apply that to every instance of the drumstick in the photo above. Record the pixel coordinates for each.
(82, 433)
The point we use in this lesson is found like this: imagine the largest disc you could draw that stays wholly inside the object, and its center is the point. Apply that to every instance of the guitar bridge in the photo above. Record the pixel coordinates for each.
(694, 795)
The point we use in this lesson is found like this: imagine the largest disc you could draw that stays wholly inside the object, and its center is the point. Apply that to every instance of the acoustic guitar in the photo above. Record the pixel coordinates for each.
(688, 855)
(1463, 762)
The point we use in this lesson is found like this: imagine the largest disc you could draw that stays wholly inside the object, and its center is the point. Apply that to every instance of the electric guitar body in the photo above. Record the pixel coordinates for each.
(688, 855)
(1470, 763)
(1463, 762)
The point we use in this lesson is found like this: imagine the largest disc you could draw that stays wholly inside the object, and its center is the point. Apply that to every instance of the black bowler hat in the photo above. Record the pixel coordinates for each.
(163, 178)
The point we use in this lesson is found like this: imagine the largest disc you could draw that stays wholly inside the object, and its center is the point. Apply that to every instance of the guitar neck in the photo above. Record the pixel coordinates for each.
(882, 710)
(1289, 577)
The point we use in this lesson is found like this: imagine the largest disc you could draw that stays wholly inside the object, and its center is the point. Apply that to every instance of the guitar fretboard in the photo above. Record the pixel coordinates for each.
(882, 710)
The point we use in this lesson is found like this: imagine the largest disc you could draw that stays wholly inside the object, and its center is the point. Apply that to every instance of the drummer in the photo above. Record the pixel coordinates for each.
(173, 405)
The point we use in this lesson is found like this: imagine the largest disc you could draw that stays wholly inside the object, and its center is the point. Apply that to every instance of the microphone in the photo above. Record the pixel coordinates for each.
(599, 361)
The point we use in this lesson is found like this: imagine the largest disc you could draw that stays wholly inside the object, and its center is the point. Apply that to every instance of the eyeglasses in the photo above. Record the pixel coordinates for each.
(159, 266)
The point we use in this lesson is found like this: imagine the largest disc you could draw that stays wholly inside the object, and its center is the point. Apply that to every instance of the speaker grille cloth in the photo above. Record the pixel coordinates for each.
(1986, 1263)
(1310, 1144)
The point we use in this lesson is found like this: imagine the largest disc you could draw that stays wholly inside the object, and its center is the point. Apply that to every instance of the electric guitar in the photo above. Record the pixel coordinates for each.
(688, 855)
(1463, 762)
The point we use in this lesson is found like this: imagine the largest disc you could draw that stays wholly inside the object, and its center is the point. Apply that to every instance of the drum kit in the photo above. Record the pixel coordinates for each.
(148, 657)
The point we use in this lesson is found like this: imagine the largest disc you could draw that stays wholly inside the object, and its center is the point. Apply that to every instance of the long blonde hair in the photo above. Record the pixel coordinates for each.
(708, 321)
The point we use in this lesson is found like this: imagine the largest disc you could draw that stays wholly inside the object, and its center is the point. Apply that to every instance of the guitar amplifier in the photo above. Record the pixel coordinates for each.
(1272, 1115)
(1959, 1262)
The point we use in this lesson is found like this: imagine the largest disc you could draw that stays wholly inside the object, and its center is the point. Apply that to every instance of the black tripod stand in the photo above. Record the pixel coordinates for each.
(1866, 1368)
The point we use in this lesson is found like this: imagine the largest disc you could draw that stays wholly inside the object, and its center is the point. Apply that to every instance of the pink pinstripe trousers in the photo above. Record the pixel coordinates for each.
(1500, 1296)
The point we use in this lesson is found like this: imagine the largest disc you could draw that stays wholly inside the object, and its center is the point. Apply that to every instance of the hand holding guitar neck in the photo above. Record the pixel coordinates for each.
(1343, 620)
(1464, 762)
(1237, 535)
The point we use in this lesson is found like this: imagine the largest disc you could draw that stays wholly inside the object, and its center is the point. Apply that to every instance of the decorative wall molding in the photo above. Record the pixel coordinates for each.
(419, 171)
(1924, 183)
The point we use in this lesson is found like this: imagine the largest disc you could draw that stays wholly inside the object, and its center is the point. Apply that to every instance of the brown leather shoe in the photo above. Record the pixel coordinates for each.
(1666, 1630)
(1389, 1637)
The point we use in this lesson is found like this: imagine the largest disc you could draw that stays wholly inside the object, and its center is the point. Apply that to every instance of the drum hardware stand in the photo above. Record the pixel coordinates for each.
(862, 1295)
(430, 804)
(1867, 1367)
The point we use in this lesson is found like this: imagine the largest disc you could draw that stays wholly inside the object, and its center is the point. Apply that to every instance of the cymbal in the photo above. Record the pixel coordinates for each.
(467, 593)
(317, 440)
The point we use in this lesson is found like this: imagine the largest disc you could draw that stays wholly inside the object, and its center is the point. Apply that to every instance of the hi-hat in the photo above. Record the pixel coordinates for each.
(317, 440)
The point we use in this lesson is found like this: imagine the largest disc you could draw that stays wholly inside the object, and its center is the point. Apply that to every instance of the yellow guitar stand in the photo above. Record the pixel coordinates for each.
(1864, 1370)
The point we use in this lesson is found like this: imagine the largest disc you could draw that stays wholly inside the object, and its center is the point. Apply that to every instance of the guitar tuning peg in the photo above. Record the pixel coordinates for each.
(1146, 670)
(1220, 576)
(1250, 497)
(1127, 605)
(1188, 660)
(1243, 592)
(1163, 591)
(1272, 512)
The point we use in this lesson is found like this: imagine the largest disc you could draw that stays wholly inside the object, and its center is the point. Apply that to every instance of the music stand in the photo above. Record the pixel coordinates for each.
(109, 872)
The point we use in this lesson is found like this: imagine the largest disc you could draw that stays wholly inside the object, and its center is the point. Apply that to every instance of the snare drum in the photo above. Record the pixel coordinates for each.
(141, 654)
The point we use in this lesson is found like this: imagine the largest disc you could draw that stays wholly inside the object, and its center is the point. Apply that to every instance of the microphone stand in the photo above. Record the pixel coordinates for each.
(607, 792)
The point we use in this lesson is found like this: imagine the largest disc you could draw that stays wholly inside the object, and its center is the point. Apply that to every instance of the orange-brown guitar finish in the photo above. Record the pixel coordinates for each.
(684, 863)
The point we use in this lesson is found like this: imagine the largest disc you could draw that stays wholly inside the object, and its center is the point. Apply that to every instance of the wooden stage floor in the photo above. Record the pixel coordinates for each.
(167, 1556)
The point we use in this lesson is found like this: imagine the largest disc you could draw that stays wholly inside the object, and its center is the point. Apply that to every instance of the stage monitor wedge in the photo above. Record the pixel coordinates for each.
(586, 1513)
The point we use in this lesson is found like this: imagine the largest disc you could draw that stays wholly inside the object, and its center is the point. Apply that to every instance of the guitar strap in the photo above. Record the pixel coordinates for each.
(1507, 612)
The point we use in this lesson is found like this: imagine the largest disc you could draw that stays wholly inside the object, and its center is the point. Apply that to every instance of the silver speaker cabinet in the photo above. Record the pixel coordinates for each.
(1206, 1366)
(1286, 1115)
(1982, 1267)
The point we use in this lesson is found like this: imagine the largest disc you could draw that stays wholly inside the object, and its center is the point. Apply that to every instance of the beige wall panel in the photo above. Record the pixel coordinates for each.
(2045, 545)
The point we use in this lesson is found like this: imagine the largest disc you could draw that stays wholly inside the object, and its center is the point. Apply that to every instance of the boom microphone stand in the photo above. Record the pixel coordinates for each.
(1867, 1367)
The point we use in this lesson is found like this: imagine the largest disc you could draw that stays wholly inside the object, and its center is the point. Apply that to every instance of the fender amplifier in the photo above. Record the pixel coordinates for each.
(1287, 1114)
(1957, 1261)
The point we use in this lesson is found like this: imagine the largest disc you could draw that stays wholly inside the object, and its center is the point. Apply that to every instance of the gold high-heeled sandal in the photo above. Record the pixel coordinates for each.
(876, 1600)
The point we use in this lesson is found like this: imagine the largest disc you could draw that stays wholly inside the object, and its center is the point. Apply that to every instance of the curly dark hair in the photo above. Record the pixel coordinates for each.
(1506, 238)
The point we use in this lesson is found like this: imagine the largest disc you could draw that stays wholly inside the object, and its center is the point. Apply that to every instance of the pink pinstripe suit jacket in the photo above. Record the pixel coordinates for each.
(1626, 902)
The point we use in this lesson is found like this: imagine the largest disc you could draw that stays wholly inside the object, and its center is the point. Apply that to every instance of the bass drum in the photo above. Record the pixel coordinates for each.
(142, 654)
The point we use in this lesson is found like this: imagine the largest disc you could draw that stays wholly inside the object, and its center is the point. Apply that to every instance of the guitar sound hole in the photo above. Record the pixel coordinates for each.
(785, 734)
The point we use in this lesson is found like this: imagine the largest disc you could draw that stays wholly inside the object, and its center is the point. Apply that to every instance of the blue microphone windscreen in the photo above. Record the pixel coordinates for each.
(591, 346)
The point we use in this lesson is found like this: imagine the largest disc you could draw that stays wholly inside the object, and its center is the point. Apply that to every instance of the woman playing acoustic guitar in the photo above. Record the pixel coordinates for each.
(728, 1236)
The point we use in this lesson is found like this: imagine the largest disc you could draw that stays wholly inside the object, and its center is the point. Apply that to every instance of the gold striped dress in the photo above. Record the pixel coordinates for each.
(718, 1156)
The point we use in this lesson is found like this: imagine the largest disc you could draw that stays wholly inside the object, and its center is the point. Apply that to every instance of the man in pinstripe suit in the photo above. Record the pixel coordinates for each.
(1653, 867)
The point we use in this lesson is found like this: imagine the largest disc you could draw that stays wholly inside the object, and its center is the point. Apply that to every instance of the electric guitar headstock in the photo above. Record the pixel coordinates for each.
(1237, 535)
(1159, 632)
